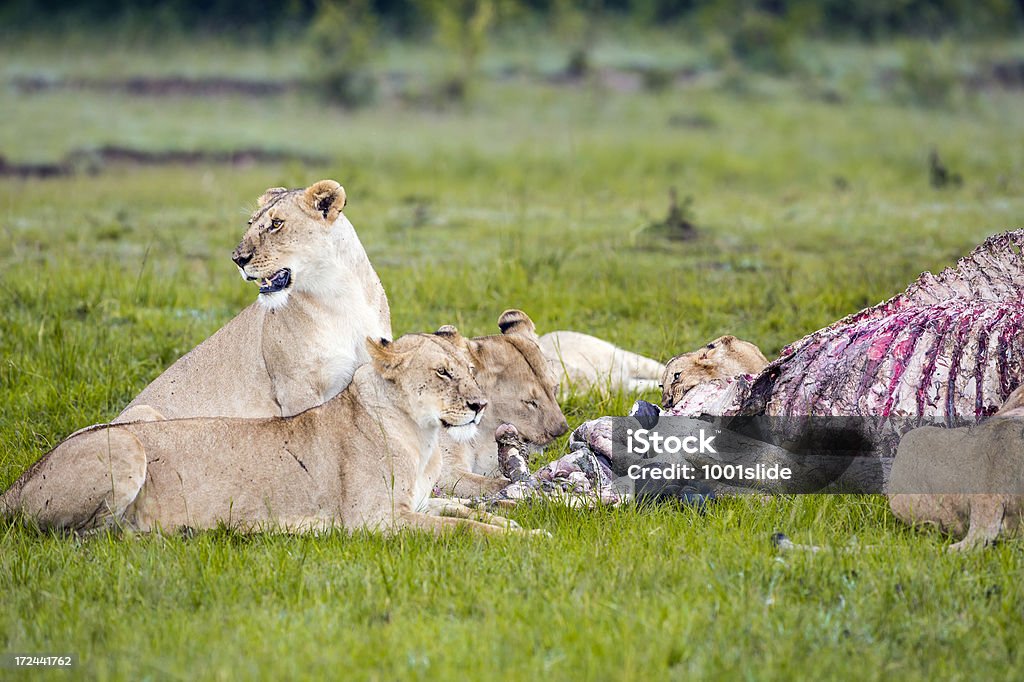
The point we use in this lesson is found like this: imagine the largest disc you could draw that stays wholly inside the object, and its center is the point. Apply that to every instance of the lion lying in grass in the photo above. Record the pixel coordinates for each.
(365, 459)
(583, 363)
(300, 343)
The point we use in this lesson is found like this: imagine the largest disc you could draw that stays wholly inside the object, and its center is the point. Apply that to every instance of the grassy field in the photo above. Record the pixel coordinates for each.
(531, 195)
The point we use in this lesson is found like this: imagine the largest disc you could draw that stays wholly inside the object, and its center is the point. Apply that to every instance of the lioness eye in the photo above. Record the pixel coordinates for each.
(276, 224)
(443, 373)
(531, 403)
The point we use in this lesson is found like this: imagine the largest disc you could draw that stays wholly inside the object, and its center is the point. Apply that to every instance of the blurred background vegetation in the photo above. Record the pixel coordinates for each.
(340, 37)
(868, 19)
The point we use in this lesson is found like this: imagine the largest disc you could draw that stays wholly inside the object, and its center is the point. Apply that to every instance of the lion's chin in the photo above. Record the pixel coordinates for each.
(274, 300)
(462, 433)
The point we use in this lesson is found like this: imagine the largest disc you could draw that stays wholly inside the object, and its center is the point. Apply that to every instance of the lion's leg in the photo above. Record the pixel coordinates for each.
(442, 507)
(643, 385)
(311, 525)
(439, 524)
(986, 522)
(84, 483)
(461, 483)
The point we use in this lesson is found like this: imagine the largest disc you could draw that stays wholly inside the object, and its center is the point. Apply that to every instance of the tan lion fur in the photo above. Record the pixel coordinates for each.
(368, 458)
(969, 481)
(521, 390)
(292, 349)
(583, 363)
(723, 358)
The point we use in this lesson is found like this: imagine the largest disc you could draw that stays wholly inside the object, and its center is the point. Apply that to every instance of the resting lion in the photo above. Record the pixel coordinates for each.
(520, 389)
(300, 343)
(583, 362)
(723, 358)
(365, 459)
(967, 481)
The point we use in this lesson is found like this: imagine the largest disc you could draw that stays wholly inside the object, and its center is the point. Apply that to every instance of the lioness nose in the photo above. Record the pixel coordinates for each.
(560, 429)
(476, 405)
(241, 259)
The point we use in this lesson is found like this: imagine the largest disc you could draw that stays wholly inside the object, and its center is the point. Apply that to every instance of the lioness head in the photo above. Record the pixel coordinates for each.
(287, 243)
(435, 381)
(723, 358)
(516, 378)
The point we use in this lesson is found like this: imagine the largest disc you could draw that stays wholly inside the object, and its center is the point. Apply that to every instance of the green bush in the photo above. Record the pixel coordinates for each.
(341, 41)
(763, 42)
(928, 75)
(574, 24)
(462, 28)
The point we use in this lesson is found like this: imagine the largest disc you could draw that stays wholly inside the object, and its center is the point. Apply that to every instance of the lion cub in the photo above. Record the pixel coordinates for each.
(300, 343)
(368, 458)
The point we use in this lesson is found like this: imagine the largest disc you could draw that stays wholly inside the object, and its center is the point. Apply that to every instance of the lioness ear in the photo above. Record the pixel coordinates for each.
(326, 198)
(713, 349)
(707, 355)
(452, 335)
(385, 360)
(270, 194)
(516, 322)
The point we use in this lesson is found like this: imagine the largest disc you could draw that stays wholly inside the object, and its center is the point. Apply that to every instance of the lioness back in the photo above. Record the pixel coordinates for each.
(584, 362)
(198, 385)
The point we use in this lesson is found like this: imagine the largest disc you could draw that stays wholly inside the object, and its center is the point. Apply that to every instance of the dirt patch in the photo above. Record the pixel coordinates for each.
(32, 170)
(161, 87)
(92, 161)
(1008, 74)
(627, 79)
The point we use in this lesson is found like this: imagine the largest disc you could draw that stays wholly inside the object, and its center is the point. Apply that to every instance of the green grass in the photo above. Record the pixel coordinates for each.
(531, 196)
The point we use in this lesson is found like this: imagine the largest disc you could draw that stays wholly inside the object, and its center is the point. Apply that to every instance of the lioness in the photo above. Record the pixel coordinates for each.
(723, 358)
(967, 481)
(365, 459)
(583, 362)
(521, 390)
(300, 343)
